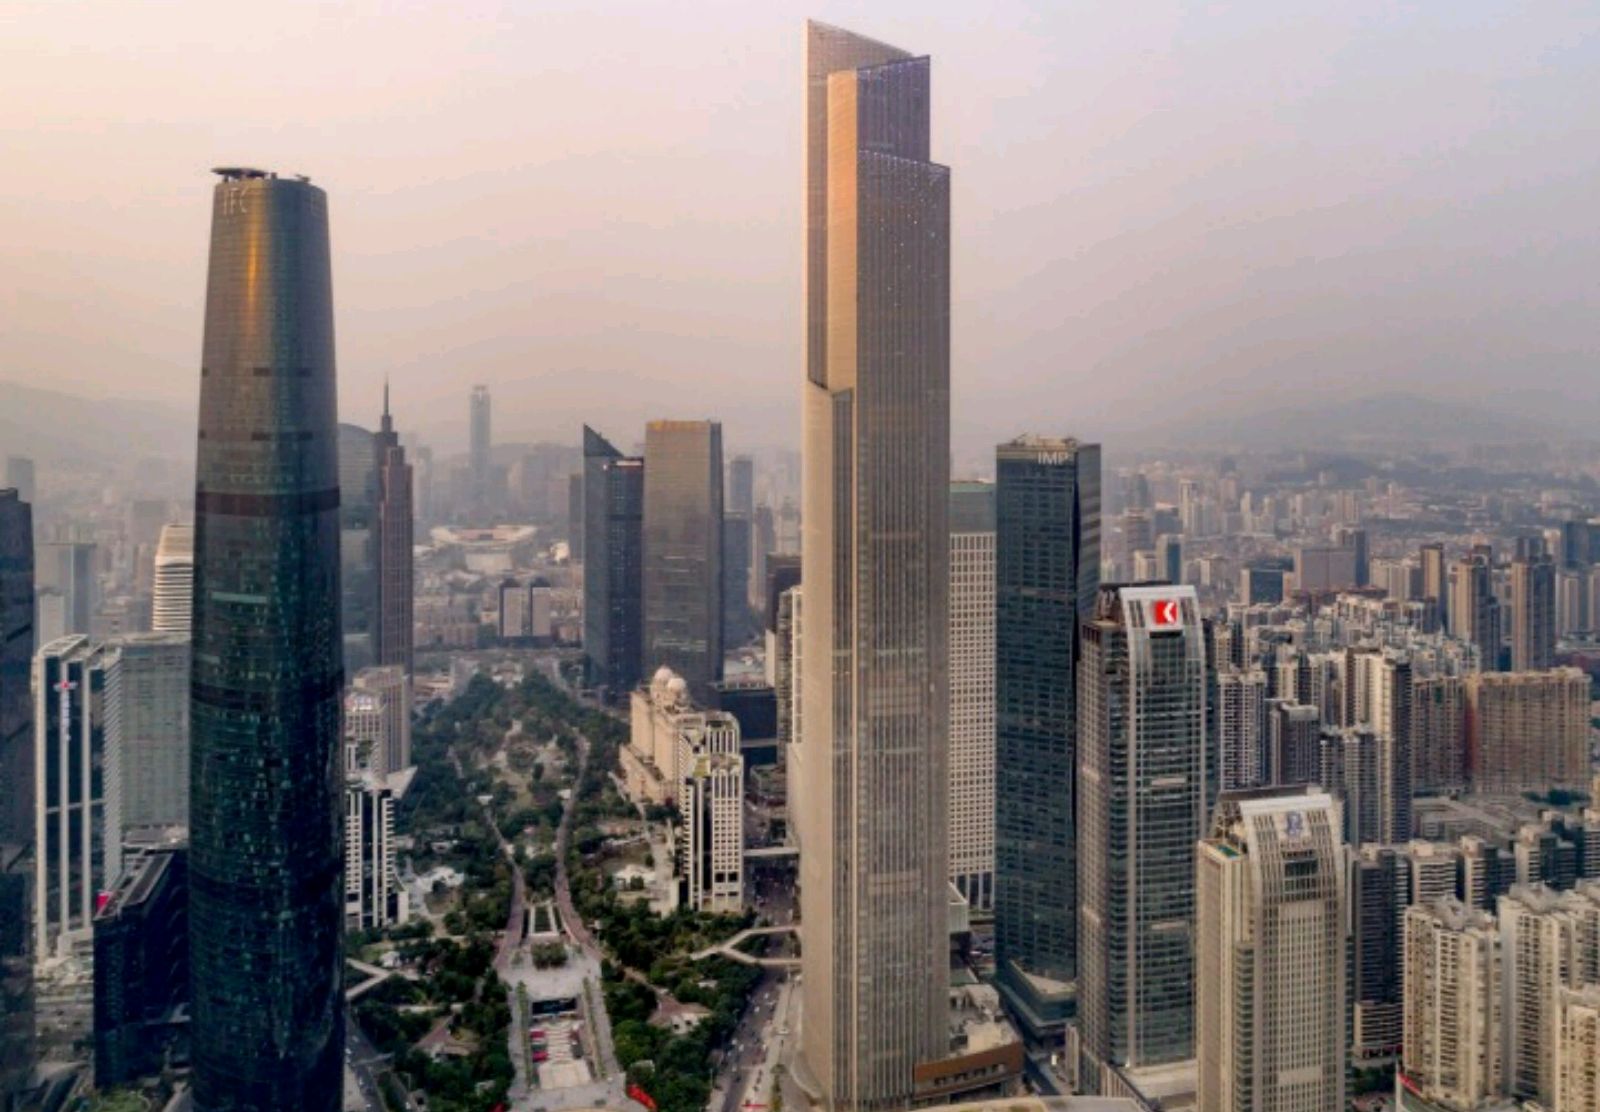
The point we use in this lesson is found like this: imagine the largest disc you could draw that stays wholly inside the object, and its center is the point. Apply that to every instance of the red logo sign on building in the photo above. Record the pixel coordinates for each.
(1164, 612)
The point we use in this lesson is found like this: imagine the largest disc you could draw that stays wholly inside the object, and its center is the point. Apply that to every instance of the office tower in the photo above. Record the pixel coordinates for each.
(1270, 954)
(1578, 1054)
(575, 516)
(736, 541)
(613, 584)
(1241, 726)
(173, 593)
(1142, 767)
(20, 478)
(1047, 572)
(1528, 731)
(78, 824)
(742, 486)
(1378, 889)
(873, 808)
(1137, 537)
(1293, 733)
(1261, 581)
(373, 894)
(1435, 580)
(141, 968)
(1321, 568)
(1453, 1011)
(1474, 610)
(1533, 613)
(1389, 699)
(1549, 941)
(1572, 601)
(972, 666)
(1169, 557)
(393, 627)
(763, 543)
(358, 579)
(377, 721)
(683, 587)
(711, 814)
(1354, 538)
(265, 909)
(16, 795)
(69, 569)
(478, 444)
(154, 713)
(1438, 734)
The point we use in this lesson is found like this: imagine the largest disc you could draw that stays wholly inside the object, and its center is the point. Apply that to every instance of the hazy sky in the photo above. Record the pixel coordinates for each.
(595, 207)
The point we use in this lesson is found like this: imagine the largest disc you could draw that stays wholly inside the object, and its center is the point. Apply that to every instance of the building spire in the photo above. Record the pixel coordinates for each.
(388, 424)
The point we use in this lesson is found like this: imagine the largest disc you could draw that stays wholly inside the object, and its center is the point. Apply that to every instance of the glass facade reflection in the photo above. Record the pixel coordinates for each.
(265, 904)
(16, 795)
(683, 588)
(613, 528)
(1047, 571)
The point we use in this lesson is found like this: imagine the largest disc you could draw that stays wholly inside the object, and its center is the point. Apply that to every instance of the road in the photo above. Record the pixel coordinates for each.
(363, 1063)
(760, 1044)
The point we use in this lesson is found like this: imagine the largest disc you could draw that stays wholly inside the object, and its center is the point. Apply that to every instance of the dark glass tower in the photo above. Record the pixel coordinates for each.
(1047, 570)
(613, 600)
(265, 902)
(683, 569)
(16, 796)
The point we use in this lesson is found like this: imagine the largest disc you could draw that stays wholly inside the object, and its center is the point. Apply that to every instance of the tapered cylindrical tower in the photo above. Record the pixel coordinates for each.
(265, 908)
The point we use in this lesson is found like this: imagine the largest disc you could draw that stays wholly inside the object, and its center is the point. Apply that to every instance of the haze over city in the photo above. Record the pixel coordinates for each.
(1214, 206)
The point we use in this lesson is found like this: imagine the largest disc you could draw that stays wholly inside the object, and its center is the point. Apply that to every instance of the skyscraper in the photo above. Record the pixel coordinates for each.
(1047, 571)
(1142, 776)
(266, 782)
(20, 477)
(16, 796)
(1453, 1009)
(1241, 727)
(173, 594)
(1533, 612)
(1435, 582)
(683, 588)
(873, 807)
(68, 567)
(1528, 731)
(358, 580)
(154, 728)
(1270, 955)
(78, 828)
(613, 589)
(972, 692)
(478, 445)
(393, 628)
(1474, 610)
(1378, 889)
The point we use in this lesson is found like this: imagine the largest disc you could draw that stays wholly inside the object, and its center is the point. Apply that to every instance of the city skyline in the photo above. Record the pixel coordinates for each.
(1128, 164)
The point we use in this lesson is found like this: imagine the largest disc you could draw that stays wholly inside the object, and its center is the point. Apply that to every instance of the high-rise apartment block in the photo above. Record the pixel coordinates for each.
(1474, 609)
(1143, 758)
(1578, 1054)
(972, 665)
(1550, 941)
(613, 585)
(1438, 733)
(1241, 727)
(1454, 983)
(266, 911)
(683, 588)
(173, 592)
(1378, 891)
(16, 795)
(1293, 735)
(873, 805)
(1270, 954)
(1047, 572)
(1528, 731)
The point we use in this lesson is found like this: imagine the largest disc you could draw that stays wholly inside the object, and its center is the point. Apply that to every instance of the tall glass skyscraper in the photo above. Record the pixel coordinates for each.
(873, 753)
(265, 778)
(16, 796)
(1143, 767)
(613, 529)
(683, 570)
(1047, 570)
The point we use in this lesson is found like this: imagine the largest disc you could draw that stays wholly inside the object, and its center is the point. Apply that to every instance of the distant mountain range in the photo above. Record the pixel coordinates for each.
(1386, 420)
(49, 425)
